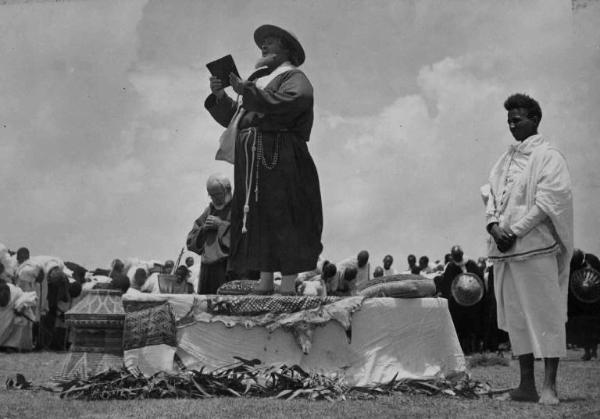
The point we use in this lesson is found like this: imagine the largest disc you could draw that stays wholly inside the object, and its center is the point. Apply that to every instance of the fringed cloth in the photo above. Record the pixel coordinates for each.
(299, 315)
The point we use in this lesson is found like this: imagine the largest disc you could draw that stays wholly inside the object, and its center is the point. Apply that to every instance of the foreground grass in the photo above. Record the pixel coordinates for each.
(579, 386)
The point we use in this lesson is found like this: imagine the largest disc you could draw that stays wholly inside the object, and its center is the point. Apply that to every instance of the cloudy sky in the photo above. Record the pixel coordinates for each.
(105, 145)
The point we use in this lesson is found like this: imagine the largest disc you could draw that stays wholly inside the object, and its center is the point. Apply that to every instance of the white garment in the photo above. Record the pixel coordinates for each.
(10, 262)
(532, 305)
(151, 284)
(531, 279)
(15, 331)
(387, 272)
(305, 276)
(532, 173)
(263, 82)
(26, 278)
(314, 287)
(362, 274)
(194, 277)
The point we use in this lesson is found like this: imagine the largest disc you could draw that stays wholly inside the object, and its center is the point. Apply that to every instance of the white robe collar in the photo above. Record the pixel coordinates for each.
(528, 145)
(262, 82)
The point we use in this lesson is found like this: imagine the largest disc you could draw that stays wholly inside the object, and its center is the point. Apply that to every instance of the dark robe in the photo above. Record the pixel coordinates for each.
(492, 336)
(58, 290)
(285, 220)
(213, 273)
(583, 325)
(468, 321)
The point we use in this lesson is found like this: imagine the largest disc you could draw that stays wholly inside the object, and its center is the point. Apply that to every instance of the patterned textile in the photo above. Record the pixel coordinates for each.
(253, 305)
(83, 365)
(151, 326)
(237, 287)
(98, 308)
(131, 306)
(340, 310)
(300, 323)
(97, 340)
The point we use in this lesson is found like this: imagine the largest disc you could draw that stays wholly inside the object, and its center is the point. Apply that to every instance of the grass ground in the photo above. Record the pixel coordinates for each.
(579, 387)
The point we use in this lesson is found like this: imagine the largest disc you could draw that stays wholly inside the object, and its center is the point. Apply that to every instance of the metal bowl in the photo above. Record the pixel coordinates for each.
(467, 289)
(585, 285)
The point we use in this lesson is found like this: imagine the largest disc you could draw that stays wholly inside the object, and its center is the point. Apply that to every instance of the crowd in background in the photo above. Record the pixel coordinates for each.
(60, 285)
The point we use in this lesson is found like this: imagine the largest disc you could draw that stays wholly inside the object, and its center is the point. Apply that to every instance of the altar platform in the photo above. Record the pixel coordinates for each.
(367, 340)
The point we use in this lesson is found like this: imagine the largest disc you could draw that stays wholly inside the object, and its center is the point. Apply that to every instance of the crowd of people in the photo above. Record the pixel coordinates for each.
(59, 286)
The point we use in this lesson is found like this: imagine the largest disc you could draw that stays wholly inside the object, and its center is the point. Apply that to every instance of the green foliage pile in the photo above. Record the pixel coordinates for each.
(246, 378)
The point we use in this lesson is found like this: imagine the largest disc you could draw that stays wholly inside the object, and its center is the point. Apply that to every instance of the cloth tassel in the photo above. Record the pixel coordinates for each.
(246, 211)
(249, 176)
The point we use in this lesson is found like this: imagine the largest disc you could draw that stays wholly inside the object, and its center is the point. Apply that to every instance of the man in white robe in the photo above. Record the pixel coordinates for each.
(16, 317)
(529, 213)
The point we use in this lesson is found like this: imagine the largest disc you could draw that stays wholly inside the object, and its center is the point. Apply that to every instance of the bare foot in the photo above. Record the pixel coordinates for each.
(521, 395)
(549, 397)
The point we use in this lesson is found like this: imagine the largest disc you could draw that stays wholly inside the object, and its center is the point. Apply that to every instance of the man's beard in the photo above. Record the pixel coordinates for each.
(224, 203)
(269, 60)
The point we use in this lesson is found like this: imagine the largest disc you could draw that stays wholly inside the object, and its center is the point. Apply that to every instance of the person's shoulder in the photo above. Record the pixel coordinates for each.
(294, 74)
(549, 149)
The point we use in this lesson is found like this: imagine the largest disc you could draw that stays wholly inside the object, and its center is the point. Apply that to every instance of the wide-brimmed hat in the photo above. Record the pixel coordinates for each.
(271, 30)
(467, 289)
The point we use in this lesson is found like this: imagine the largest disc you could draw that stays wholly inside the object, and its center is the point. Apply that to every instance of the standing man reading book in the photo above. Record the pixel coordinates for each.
(276, 219)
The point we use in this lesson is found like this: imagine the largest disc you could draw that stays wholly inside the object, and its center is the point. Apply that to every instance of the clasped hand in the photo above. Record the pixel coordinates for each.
(212, 222)
(504, 237)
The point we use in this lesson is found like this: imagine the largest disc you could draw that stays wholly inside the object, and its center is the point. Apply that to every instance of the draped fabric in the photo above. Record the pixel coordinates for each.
(544, 181)
(532, 277)
(391, 338)
(532, 306)
(16, 330)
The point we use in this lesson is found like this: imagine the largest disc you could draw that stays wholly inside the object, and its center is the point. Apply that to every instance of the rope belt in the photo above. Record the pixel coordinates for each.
(257, 157)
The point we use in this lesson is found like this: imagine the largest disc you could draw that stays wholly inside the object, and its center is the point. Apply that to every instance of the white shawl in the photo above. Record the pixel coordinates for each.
(544, 182)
